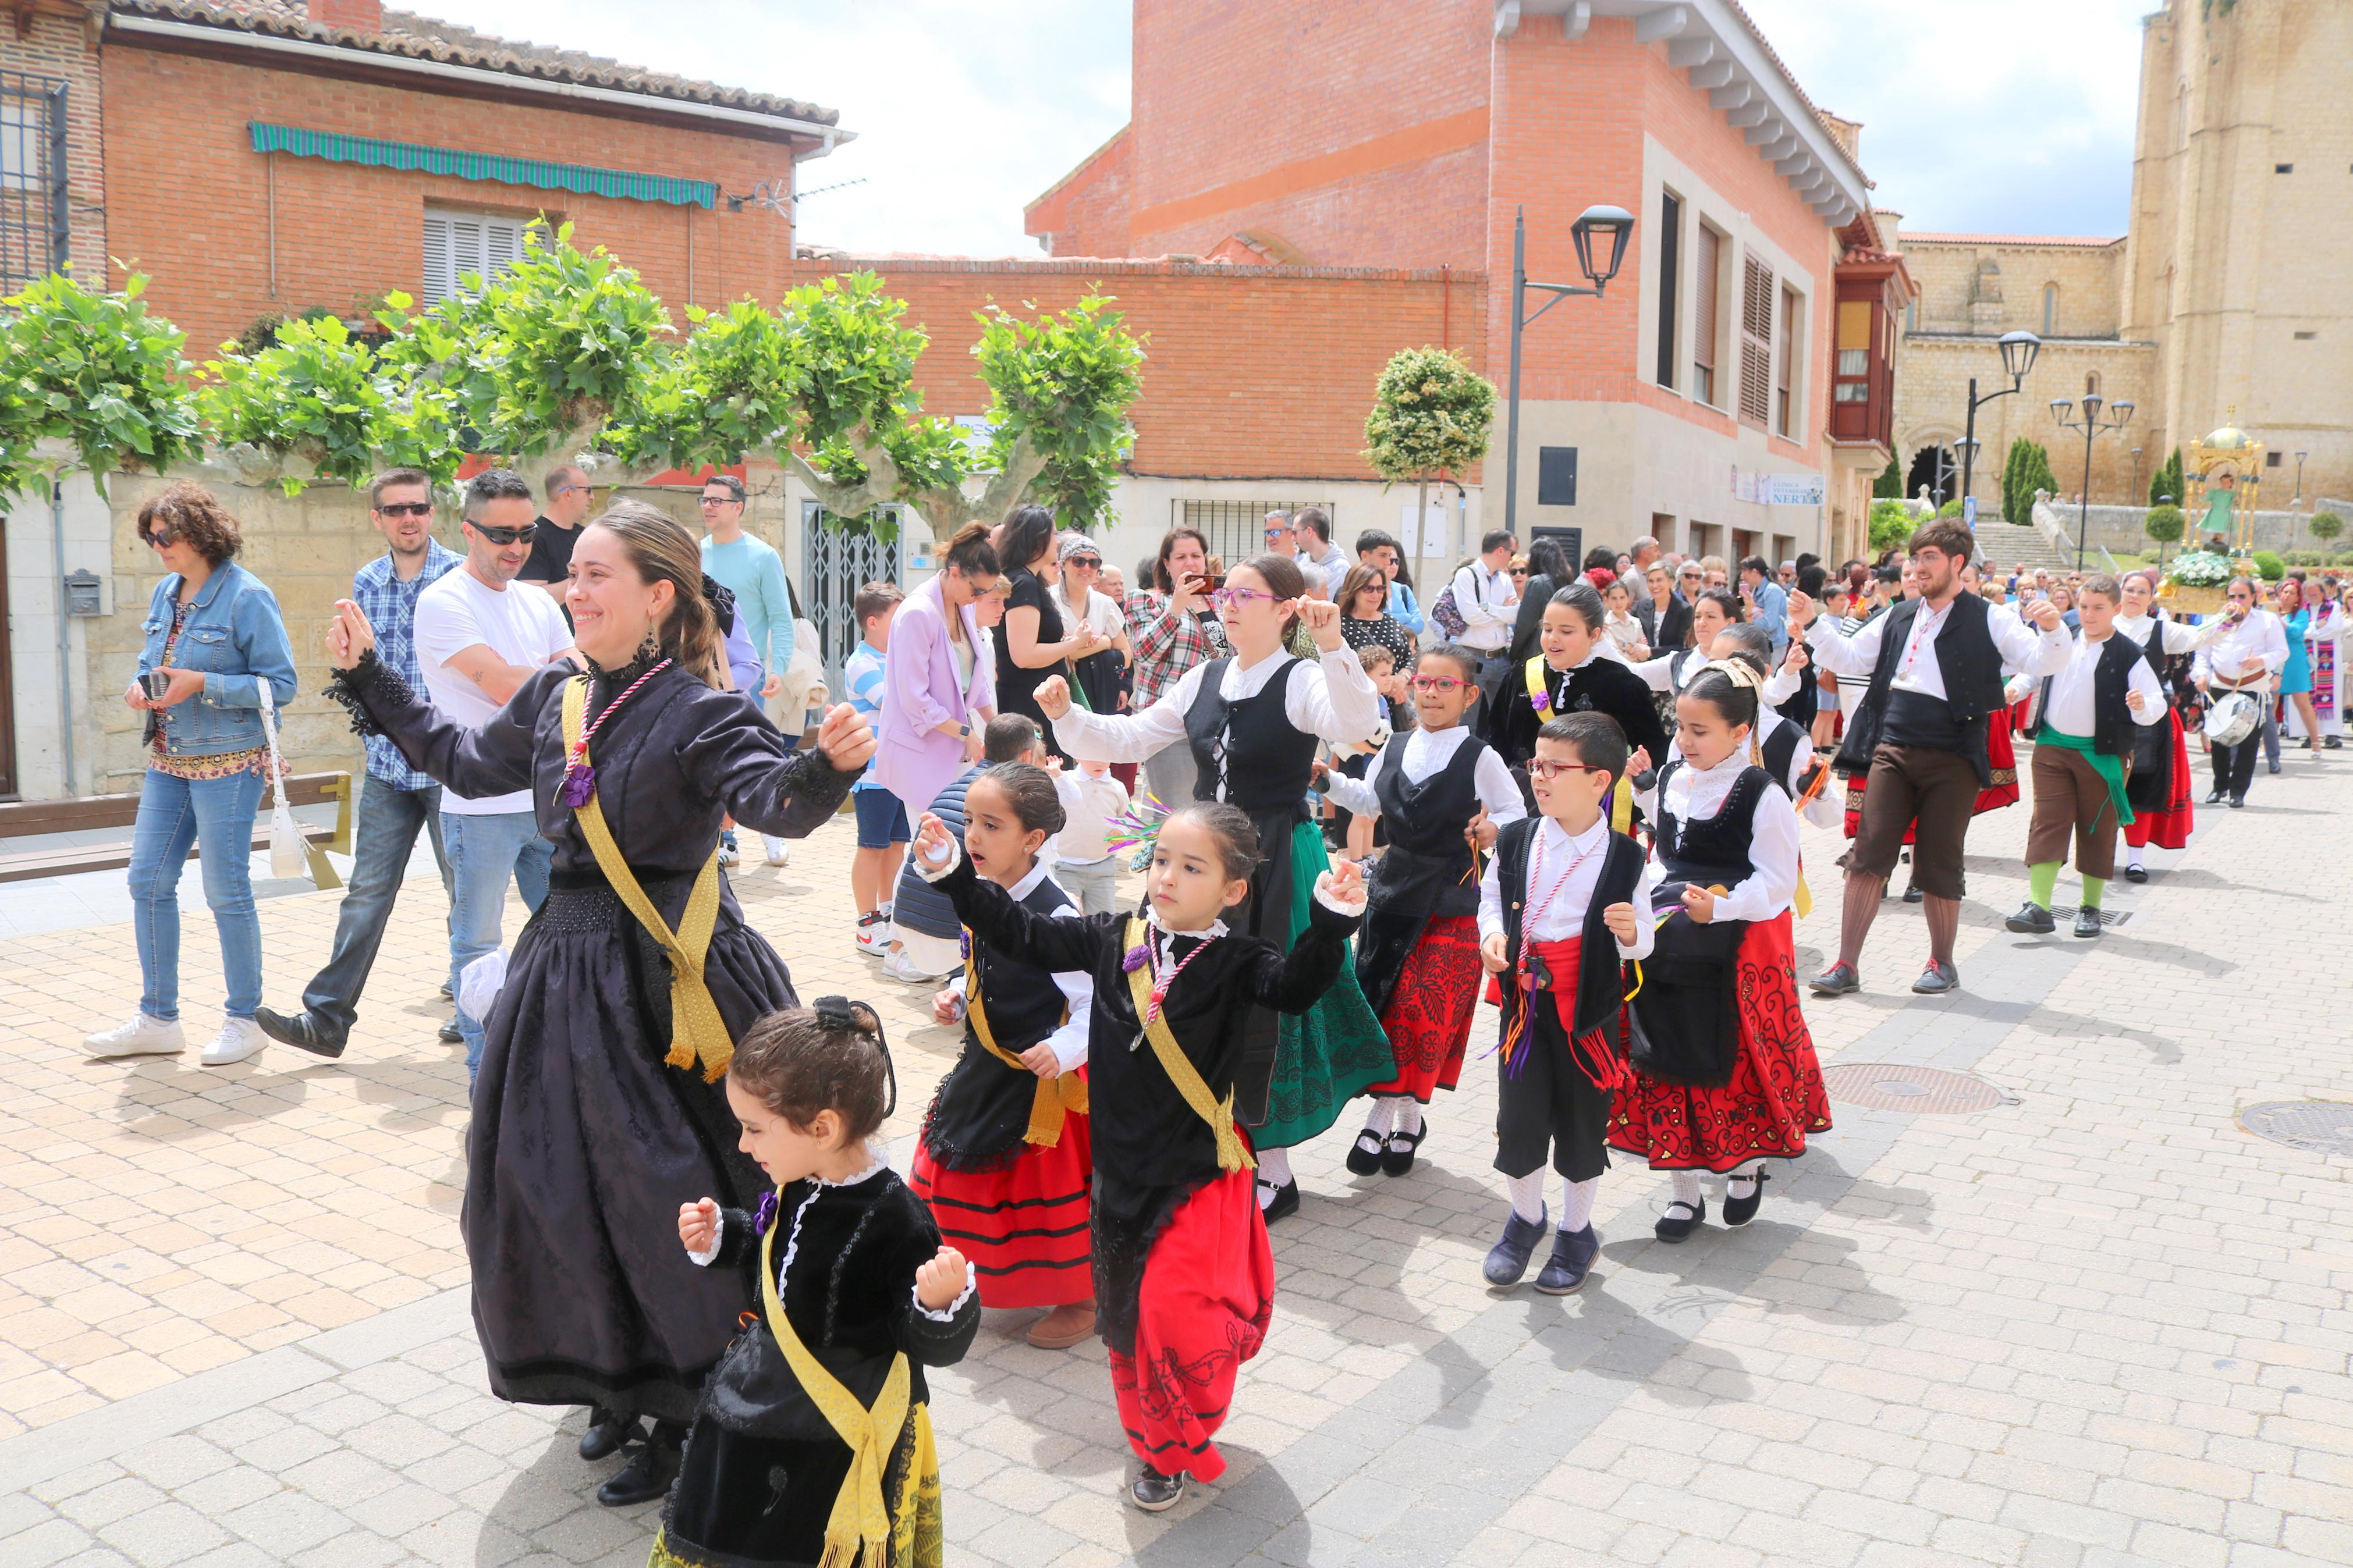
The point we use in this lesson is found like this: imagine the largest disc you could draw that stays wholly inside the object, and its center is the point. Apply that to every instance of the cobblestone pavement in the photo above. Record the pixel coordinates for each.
(2095, 1324)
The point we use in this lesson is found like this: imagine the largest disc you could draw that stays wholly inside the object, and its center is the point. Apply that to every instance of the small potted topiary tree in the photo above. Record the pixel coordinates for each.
(2326, 526)
(2164, 525)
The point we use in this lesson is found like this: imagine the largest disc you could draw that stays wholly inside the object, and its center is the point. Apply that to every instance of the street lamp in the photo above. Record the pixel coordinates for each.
(2135, 497)
(2299, 476)
(1613, 224)
(2118, 414)
(2017, 351)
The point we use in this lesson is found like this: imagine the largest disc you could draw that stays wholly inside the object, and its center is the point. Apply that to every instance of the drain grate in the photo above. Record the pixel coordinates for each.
(2109, 918)
(2315, 1126)
(1884, 1086)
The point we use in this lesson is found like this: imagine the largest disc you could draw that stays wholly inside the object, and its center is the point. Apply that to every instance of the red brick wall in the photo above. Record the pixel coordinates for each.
(1355, 132)
(59, 47)
(1087, 214)
(189, 199)
(1257, 371)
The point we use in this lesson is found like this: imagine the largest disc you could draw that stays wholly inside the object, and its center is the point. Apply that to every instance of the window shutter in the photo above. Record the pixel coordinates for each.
(457, 244)
(440, 279)
(1706, 264)
(1786, 371)
(1756, 342)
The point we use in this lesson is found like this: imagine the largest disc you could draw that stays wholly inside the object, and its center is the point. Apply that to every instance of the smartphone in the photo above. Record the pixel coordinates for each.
(158, 683)
(1210, 582)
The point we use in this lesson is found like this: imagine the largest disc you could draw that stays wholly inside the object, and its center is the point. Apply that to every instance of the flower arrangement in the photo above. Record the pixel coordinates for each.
(2201, 569)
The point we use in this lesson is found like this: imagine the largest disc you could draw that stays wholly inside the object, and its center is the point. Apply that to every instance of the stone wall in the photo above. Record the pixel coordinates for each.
(2118, 528)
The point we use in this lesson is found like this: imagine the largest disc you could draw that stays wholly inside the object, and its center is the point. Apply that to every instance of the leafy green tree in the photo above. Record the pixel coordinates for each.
(1432, 417)
(89, 381)
(2017, 502)
(2326, 526)
(1890, 483)
(2166, 480)
(1891, 523)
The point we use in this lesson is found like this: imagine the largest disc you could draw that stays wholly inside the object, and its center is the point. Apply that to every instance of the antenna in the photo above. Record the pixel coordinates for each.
(777, 194)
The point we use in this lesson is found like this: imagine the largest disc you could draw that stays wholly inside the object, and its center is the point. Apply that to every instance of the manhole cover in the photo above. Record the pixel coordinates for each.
(1881, 1086)
(2315, 1126)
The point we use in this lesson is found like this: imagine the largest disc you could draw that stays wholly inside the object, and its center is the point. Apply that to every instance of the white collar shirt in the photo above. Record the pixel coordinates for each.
(2071, 708)
(2021, 646)
(1562, 916)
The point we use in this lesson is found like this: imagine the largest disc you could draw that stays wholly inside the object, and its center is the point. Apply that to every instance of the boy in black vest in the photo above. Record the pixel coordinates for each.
(2083, 744)
(1557, 922)
(1935, 663)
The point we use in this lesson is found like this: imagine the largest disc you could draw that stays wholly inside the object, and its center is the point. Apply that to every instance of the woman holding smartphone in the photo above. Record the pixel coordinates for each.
(215, 652)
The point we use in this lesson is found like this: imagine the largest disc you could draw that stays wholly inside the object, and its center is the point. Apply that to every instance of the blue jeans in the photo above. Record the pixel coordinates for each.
(388, 822)
(216, 816)
(483, 852)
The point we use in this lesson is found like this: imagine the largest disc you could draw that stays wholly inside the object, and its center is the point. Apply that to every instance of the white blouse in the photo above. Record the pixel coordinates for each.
(1426, 751)
(1695, 793)
(1332, 699)
(1554, 852)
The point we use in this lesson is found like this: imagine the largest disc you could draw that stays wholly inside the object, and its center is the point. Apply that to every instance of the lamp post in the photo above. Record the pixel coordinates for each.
(2299, 476)
(2017, 351)
(2135, 496)
(1615, 224)
(1967, 448)
(2117, 415)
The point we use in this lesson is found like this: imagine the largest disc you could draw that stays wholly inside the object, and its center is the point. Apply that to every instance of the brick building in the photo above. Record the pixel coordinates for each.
(1730, 394)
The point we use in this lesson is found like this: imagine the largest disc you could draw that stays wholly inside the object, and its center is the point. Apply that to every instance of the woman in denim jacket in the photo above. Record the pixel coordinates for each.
(213, 637)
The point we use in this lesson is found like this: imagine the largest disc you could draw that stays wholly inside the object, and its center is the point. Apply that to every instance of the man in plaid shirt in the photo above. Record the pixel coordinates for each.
(396, 800)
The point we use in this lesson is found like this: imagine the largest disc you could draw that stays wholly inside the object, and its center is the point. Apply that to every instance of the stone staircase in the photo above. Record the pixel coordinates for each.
(2006, 546)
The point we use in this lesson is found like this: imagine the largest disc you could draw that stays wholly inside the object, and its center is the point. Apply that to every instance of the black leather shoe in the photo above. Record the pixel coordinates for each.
(2135, 873)
(1913, 895)
(1838, 980)
(2033, 919)
(1365, 1153)
(1507, 1260)
(2275, 768)
(2238, 803)
(1285, 1203)
(1396, 1157)
(2087, 922)
(1938, 978)
(2214, 797)
(1679, 1220)
(1156, 1493)
(608, 1433)
(302, 1031)
(647, 1475)
(1738, 1211)
(450, 1035)
(448, 994)
(1572, 1260)
(2331, 744)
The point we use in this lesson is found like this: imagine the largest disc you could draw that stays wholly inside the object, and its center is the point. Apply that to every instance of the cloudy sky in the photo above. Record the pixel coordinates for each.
(2007, 115)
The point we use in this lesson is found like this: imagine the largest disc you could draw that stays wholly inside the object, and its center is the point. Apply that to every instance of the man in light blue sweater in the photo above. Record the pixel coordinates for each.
(751, 569)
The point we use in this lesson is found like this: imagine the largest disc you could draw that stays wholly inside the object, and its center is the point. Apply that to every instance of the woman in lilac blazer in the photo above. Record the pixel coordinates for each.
(934, 705)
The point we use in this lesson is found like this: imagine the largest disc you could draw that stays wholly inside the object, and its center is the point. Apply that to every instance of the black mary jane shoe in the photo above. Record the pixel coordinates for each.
(2032, 920)
(2238, 803)
(1285, 1202)
(2087, 922)
(302, 1030)
(1679, 1220)
(1365, 1153)
(2135, 873)
(1566, 1271)
(2214, 797)
(1507, 1260)
(1396, 1157)
(1156, 1493)
(1738, 1211)
(648, 1473)
(608, 1433)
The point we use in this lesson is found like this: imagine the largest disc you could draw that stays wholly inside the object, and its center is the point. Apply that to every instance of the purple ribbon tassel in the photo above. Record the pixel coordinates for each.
(579, 784)
(764, 1215)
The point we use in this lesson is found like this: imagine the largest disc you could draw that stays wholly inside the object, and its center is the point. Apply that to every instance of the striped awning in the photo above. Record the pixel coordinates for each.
(624, 183)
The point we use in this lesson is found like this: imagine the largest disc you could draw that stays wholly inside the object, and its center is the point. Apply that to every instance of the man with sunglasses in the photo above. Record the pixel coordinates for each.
(396, 800)
(568, 499)
(478, 639)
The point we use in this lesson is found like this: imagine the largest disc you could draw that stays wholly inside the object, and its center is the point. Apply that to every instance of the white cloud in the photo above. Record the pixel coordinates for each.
(963, 111)
(2003, 116)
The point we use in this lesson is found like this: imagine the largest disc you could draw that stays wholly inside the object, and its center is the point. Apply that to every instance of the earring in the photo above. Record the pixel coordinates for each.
(650, 648)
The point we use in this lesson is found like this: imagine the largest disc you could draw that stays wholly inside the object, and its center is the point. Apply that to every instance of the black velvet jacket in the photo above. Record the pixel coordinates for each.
(1601, 685)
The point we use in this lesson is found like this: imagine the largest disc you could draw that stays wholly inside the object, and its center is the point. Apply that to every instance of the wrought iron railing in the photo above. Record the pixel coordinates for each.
(33, 219)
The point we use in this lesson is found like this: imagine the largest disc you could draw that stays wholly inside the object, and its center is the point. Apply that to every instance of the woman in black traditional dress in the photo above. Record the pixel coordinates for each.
(599, 1110)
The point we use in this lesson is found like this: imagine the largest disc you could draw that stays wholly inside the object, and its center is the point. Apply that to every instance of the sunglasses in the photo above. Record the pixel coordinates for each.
(1438, 683)
(1541, 768)
(1519, 571)
(407, 508)
(1088, 561)
(163, 538)
(1235, 598)
(522, 535)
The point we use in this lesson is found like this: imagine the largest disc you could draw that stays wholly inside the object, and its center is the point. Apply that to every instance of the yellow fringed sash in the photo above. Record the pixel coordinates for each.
(1233, 1154)
(1621, 800)
(1056, 1097)
(861, 1531)
(698, 1033)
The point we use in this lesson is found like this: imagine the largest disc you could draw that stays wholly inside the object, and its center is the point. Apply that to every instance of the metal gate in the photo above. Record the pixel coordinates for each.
(34, 235)
(839, 556)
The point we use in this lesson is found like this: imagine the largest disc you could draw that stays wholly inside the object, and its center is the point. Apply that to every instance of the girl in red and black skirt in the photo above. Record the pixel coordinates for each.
(1436, 788)
(1004, 1158)
(2159, 784)
(1720, 1084)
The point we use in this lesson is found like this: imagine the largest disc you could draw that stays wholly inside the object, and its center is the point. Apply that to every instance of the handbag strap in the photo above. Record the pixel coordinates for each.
(270, 734)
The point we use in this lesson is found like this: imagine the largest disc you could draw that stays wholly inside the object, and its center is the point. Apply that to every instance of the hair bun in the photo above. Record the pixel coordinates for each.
(833, 1012)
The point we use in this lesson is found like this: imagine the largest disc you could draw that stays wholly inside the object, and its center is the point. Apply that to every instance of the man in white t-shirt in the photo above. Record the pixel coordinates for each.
(1489, 604)
(479, 638)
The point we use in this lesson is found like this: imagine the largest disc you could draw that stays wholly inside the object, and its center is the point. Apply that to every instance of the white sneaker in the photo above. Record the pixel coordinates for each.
(239, 1038)
(780, 851)
(898, 966)
(142, 1037)
(728, 855)
(874, 934)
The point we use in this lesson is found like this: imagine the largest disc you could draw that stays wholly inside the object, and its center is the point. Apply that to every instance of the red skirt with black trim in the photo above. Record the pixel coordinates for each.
(2000, 754)
(1022, 1226)
(2168, 828)
(1206, 1296)
(1428, 1019)
(1775, 1098)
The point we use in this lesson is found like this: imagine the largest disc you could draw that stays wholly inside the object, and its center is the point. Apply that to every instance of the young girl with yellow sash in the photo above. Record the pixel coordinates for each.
(1004, 1158)
(1184, 1278)
(813, 1443)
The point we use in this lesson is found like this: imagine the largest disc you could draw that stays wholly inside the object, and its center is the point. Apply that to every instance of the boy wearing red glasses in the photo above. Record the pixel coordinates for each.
(1557, 922)
(1444, 795)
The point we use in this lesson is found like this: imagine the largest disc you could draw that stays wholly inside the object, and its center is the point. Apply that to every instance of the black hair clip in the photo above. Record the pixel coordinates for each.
(839, 1013)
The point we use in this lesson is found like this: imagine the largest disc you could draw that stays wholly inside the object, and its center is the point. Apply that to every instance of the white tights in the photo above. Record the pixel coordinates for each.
(1740, 1182)
(1576, 1199)
(1393, 1113)
(1273, 1166)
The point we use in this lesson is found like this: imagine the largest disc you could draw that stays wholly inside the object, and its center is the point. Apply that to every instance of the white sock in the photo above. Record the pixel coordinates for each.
(1577, 1204)
(1684, 1188)
(1409, 1115)
(1274, 1165)
(1741, 1181)
(1527, 1194)
(1378, 1119)
(2133, 853)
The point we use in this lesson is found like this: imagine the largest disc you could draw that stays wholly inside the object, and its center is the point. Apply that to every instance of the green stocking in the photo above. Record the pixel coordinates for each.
(2040, 882)
(2093, 887)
